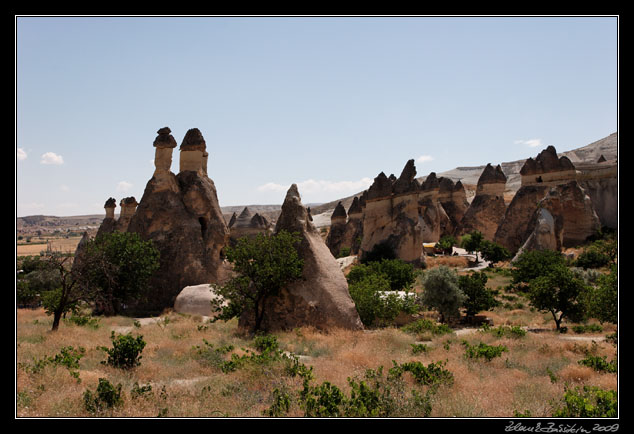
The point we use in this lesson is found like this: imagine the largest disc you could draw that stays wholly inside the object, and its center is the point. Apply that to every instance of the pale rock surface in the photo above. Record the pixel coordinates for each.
(196, 300)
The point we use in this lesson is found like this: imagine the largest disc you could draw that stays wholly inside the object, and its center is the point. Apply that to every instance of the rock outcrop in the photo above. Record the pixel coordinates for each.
(548, 177)
(338, 221)
(487, 208)
(108, 224)
(453, 199)
(196, 300)
(353, 233)
(391, 216)
(320, 298)
(128, 208)
(434, 219)
(247, 225)
(181, 215)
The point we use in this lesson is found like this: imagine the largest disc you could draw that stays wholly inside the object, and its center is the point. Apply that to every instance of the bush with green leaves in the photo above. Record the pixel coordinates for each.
(590, 401)
(125, 352)
(376, 304)
(442, 292)
(68, 357)
(446, 244)
(482, 350)
(106, 397)
(599, 363)
(399, 274)
(423, 325)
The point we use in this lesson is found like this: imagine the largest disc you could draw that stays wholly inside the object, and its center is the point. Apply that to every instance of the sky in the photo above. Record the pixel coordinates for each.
(326, 103)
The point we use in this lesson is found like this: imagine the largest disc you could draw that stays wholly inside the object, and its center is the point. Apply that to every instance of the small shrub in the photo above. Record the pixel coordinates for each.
(482, 350)
(587, 328)
(419, 348)
(107, 396)
(125, 352)
(84, 321)
(140, 391)
(588, 402)
(345, 251)
(281, 404)
(211, 356)
(599, 364)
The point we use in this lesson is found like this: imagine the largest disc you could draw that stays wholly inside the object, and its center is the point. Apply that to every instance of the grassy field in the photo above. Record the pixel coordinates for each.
(37, 245)
(530, 377)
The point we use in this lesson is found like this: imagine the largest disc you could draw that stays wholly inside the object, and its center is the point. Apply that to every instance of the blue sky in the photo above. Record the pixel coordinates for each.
(324, 102)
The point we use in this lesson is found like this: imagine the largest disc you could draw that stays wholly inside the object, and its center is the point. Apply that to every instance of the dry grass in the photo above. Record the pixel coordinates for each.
(530, 376)
(447, 261)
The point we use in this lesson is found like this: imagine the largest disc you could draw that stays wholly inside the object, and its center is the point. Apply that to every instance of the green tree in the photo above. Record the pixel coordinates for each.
(446, 244)
(115, 269)
(603, 299)
(535, 263)
(442, 292)
(493, 252)
(559, 292)
(63, 293)
(399, 273)
(264, 265)
(478, 297)
(473, 242)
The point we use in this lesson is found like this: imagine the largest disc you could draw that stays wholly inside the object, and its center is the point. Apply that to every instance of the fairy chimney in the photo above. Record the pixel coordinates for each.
(192, 151)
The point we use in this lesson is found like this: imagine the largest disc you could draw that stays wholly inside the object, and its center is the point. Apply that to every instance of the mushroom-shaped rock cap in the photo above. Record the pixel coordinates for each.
(193, 141)
(339, 211)
(164, 139)
(128, 201)
(492, 175)
(110, 203)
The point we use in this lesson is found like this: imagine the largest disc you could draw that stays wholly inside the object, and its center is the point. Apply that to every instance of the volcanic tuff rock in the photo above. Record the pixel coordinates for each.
(334, 239)
(320, 298)
(487, 209)
(109, 222)
(434, 220)
(181, 215)
(393, 219)
(547, 171)
(247, 225)
(196, 300)
(453, 199)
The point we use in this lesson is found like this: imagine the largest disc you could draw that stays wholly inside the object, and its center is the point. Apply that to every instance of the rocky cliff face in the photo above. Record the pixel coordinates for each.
(487, 209)
(320, 298)
(391, 217)
(554, 176)
(181, 215)
(338, 221)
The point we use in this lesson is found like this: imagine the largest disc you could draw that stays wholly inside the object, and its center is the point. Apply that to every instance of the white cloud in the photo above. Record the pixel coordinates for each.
(64, 188)
(533, 143)
(20, 154)
(424, 158)
(312, 186)
(51, 158)
(123, 186)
